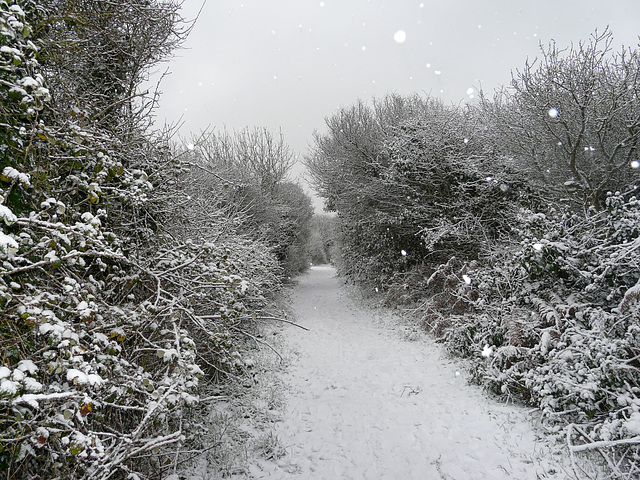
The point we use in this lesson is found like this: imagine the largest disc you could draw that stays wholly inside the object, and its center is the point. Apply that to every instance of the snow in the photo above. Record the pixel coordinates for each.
(17, 10)
(13, 174)
(40, 438)
(9, 50)
(633, 424)
(84, 310)
(27, 366)
(81, 378)
(168, 355)
(369, 396)
(7, 215)
(8, 244)
(9, 387)
(30, 82)
(87, 217)
(32, 385)
(400, 36)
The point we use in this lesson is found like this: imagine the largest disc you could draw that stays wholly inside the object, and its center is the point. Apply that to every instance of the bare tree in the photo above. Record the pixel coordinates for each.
(572, 119)
(254, 156)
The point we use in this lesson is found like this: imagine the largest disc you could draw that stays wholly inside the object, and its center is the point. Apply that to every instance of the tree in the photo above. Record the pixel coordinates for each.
(322, 239)
(253, 166)
(571, 120)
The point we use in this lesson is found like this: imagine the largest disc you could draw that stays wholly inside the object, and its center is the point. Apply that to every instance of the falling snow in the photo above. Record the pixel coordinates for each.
(400, 36)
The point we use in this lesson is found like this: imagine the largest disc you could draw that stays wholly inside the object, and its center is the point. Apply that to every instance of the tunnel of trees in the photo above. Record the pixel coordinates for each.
(135, 269)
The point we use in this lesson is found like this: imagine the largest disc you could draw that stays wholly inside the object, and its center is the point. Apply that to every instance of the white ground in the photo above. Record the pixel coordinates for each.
(365, 400)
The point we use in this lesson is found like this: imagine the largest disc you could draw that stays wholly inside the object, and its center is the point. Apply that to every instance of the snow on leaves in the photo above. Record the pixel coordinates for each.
(112, 321)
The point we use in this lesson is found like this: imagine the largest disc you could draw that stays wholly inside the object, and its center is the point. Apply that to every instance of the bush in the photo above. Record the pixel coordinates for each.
(559, 314)
(117, 315)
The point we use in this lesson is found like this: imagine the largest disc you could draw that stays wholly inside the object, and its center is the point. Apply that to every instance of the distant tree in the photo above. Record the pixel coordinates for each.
(253, 167)
(294, 211)
(322, 239)
(252, 156)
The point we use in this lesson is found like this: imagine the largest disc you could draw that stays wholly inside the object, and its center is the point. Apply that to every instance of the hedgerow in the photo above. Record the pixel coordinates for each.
(124, 300)
(510, 228)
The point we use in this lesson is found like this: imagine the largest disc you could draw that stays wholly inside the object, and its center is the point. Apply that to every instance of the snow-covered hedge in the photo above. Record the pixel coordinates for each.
(114, 320)
(494, 224)
(554, 320)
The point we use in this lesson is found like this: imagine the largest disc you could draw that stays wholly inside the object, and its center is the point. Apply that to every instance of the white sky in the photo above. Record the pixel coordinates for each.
(288, 64)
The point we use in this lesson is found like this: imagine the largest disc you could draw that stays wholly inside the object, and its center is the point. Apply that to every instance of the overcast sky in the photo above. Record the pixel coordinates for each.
(288, 64)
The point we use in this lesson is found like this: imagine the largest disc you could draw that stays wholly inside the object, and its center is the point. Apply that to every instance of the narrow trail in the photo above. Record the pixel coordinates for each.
(366, 402)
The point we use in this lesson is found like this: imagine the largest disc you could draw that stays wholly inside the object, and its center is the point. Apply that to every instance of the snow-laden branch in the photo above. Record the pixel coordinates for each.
(605, 444)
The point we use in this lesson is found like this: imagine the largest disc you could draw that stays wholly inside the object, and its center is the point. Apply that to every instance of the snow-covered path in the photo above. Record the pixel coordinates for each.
(365, 402)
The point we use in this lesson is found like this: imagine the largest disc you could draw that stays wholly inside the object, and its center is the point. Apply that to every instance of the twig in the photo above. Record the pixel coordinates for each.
(283, 321)
(605, 444)
(217, 444)
(261, 342)
(186, 264)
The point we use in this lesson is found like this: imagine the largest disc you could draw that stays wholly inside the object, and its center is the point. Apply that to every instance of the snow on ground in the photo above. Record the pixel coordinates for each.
(363, 401)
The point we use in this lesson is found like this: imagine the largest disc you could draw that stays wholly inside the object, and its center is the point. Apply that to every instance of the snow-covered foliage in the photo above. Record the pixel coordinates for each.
(118, 316)
(321, 240)
(510, 228)
(559, 308)
(403, 177)
(252, 168)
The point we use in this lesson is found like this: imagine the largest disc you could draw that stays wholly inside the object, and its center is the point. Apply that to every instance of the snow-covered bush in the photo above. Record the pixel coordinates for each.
(252, 168)
(558, 312)
(114, 320)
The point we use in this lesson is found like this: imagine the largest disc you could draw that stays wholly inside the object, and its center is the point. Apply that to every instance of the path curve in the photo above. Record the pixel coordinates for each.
(365, 402)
